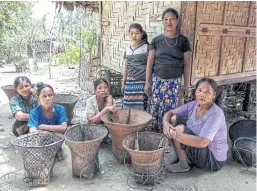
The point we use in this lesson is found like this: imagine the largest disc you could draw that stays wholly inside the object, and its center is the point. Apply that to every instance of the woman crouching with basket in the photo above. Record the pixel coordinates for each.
(48, 116)
(202, 140)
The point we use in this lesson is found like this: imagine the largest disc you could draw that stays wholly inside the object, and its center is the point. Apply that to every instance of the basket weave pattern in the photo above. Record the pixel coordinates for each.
(84, 142)
(38, 151)
(137, 121)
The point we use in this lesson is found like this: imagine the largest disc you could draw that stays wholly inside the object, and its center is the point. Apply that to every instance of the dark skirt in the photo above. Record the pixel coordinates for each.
(20, 128)
(199, 157)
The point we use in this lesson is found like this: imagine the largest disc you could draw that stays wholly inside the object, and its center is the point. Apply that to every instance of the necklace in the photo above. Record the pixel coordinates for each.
(169, 44)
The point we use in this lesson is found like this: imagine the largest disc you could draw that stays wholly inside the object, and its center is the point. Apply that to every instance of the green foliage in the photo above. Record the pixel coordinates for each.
(14, 27)
(89, 37)
(71, 55)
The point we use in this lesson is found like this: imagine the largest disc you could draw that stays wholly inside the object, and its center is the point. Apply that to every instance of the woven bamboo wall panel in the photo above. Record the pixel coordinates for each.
(232, 55)
(224, 42)
(116, 18)
(237, 13)
(250, 55)
(207, 59)
(210, 12)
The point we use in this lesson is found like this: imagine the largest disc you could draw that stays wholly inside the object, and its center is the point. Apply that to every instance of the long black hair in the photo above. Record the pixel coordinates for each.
(139, 27)
(170, 10)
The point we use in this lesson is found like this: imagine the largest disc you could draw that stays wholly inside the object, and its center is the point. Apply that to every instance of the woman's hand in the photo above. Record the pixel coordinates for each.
(169, 130)
(148, 89)
(112, 108)
(33, 91)
(185, 91)
(109, 99)
(41, 127)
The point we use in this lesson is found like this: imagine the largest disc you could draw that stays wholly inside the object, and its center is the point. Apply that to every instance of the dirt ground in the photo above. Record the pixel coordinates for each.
(111, 176)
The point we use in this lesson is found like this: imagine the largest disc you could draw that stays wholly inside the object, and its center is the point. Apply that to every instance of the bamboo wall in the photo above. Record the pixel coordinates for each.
(116, 18)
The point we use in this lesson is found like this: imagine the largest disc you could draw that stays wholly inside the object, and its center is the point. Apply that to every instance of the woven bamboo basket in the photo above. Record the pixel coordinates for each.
(84, 142)
(147, 159)
(68, 102)
(38, 151)
(122, 124)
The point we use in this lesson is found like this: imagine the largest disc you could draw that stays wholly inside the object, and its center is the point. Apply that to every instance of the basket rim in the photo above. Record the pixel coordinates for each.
(30, 134)
(144, 132)
(82, 142)
(12, 87)
(77, 97)
(127, 125)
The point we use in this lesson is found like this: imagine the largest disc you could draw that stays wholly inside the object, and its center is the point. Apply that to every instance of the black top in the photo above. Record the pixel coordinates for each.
(137, 59)
(169, 60)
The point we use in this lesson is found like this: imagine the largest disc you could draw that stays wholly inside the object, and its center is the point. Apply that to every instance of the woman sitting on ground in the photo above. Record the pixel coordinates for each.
(47, 116)
(100, 103)
(202, 140)
(22, 104)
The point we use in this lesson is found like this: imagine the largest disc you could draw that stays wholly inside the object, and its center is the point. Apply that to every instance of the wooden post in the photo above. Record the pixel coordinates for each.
(108, 76)
(248, 97)
(221, 97)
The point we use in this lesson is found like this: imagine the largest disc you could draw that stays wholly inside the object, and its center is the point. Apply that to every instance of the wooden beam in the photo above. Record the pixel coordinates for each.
(231, 78)
(188, 24)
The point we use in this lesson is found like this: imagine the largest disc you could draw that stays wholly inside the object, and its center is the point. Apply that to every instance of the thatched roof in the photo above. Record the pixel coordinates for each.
(70, 5)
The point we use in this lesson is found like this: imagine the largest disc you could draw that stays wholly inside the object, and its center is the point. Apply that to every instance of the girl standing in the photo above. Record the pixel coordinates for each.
(135, 59)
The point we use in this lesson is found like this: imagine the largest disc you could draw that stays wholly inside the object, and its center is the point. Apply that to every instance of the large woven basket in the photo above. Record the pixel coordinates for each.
(10, 91)
(84, 142)
(147, 161)
(68, 102)
(38, 151)
(120, 126)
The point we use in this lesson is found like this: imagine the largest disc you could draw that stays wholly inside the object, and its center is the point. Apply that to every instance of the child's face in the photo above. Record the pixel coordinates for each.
(135, 35)
(102, 90)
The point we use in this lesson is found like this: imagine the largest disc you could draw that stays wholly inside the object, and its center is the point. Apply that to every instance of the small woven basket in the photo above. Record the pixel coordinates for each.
(122, 124)
(147, 159)
(84, 142)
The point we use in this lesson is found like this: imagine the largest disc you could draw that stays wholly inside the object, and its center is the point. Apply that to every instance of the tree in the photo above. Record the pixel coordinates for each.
(15, 20)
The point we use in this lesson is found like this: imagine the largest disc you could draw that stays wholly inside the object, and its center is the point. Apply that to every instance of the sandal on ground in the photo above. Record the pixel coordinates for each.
(176, 168)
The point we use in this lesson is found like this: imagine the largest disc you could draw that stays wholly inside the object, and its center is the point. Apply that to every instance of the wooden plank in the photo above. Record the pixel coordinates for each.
(217, 30)
(247, 43)
(231, 78)
(188, 19)
(222, 44)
